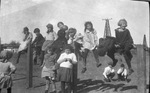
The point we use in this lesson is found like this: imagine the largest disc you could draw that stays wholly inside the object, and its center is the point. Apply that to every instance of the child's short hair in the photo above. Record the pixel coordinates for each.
(49, 26)
(25, 29)
(122, 65)
(6, 54)
(60, 23)
(36, 30)
(122, 21)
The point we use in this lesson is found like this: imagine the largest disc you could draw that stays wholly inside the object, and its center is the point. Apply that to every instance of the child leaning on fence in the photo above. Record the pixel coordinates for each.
(6, 69)
(66, 61)
(49, 71)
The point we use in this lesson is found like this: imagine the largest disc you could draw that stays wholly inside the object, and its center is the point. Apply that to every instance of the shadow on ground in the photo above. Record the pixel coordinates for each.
(85, 86)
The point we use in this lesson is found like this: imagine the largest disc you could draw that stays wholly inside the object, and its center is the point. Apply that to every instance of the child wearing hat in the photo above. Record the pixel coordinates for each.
(49, 71)
(6, 69)
(109, 72)
(122, 73)
(66, 61)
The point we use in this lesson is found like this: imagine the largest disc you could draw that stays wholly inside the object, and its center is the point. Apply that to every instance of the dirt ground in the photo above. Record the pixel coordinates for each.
(89, 82)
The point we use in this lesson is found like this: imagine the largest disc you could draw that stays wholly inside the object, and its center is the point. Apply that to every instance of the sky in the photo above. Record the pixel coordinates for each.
(16, 14)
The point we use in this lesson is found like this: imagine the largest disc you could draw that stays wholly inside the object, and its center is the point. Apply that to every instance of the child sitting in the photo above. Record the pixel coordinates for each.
(6, 69)
(122, 73)
(109, 72)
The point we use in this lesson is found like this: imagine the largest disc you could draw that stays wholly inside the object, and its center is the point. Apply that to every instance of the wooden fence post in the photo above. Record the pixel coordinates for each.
(29, 66)
(75, 80)
(141, 64)
(0, 45)
(75, 72)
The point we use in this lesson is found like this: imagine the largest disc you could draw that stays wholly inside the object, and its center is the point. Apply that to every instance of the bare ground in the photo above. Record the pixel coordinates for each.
(89, 82)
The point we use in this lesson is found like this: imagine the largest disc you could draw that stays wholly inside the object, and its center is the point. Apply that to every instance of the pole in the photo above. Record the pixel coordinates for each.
(107, 31)
(29, 66)
(141, 71)
(75, 71)
(144, 64)
(75, 80)
(0, 45)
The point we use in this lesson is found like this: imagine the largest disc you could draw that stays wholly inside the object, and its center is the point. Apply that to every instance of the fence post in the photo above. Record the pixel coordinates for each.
(141, 70)
(75, 79)
(0, 45)
(29, 66)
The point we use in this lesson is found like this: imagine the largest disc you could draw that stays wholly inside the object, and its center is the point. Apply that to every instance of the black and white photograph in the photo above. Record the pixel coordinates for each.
(74, 46)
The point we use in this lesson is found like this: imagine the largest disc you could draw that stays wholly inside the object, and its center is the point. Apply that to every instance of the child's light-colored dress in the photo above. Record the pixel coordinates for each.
(49, 67)
(23, 44)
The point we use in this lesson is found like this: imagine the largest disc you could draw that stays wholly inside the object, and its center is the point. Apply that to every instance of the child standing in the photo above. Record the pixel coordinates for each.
(66, 61)
(122, 73)
(6, 69)
(109, 72)
(49, 71)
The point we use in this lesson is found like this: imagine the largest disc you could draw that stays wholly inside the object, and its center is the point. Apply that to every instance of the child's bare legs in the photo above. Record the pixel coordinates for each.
(50, 83)
(53, 86)
(47, 84)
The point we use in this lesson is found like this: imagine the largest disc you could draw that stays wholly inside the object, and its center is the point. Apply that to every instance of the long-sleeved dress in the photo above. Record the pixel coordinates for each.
(124, 39)
(49, 66)
(90, 40)
(60, 42)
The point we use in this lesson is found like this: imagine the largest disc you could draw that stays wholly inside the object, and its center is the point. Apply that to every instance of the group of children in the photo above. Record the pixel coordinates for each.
(58, 66)
(109, 73)
(64, 73)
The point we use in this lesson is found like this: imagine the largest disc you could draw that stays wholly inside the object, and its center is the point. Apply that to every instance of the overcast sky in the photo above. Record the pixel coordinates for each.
(16, 14)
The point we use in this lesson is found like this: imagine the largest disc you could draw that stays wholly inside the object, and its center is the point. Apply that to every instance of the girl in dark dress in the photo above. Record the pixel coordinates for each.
(124, 42)
(61, 41)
